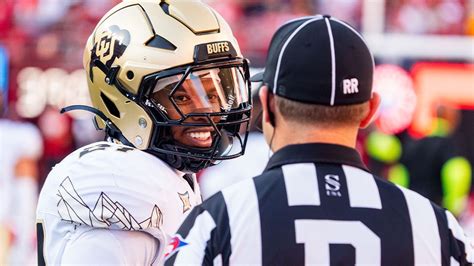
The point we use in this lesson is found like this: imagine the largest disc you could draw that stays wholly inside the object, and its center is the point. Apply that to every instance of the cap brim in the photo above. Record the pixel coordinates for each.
(257, 77)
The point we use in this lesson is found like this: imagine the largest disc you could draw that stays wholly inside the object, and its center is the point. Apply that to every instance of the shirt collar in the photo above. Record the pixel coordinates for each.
(316, 152)
(179, 173)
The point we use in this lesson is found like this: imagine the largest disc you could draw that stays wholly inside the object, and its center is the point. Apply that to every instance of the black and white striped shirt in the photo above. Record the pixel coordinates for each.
(318, 204)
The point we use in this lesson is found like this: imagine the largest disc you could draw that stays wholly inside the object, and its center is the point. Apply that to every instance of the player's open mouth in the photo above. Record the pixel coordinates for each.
(201, 139)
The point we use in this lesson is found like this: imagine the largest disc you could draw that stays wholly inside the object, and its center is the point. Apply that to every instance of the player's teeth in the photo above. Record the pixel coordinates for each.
(200, 135)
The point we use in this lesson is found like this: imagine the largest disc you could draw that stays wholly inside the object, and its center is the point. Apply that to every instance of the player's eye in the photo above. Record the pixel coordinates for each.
(181, 98)
(213, 97)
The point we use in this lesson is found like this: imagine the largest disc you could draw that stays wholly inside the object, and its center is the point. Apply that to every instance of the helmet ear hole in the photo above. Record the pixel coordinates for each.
(130, 74)
(111, 107)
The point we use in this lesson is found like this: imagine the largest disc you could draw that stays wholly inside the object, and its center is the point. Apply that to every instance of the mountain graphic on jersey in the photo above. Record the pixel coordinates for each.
(105, 213)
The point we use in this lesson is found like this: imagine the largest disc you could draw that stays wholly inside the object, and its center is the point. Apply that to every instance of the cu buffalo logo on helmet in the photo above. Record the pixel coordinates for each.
(109, 45)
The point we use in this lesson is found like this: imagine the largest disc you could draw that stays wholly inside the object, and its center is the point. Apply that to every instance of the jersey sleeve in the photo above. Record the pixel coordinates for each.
(116, 248)
(461, 248)
(118, 190)
(203, 237)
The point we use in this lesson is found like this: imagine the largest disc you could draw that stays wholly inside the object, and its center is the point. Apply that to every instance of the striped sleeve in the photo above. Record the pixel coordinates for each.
(449, 246)
(461, 249)
(204, 236)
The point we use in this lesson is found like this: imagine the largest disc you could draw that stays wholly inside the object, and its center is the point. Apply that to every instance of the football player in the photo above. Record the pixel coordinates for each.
(20, 148)
(170, 88)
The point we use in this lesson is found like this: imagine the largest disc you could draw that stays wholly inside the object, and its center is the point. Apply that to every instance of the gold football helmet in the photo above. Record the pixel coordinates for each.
(168, 78)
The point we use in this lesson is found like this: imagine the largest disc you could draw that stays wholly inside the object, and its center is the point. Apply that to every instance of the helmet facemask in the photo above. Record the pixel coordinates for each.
(201, 113)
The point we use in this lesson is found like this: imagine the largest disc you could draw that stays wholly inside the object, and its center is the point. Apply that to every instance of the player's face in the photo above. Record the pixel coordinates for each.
(197, 99)
(190, 99)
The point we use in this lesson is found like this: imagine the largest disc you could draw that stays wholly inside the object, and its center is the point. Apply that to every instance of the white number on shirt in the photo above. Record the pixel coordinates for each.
(316, 235)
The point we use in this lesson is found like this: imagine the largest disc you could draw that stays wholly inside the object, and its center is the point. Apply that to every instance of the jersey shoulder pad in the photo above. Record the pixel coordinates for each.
(117, 159)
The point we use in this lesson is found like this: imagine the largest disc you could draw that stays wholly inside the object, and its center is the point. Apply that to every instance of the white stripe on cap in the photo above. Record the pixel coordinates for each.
(275, 81)
(426, 240)
(333, 62)
(296, 19)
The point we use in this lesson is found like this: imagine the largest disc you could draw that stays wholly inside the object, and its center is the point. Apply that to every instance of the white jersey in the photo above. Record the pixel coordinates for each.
(17, 140)
(18, 194)
(104, 197)
(228, 172)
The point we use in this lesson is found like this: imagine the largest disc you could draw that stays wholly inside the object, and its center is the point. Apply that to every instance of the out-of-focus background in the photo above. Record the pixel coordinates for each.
(424, 55)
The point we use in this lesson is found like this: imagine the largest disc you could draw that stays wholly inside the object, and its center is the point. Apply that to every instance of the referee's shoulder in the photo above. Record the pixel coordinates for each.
(386, 188)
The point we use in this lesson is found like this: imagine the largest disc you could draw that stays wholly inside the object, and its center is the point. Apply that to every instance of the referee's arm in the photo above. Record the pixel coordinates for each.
(460, 247)
(203, 237)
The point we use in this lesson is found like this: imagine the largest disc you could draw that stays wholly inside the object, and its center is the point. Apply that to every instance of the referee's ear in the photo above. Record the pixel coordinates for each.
(374, 104)
(268, 113)
(265, 101)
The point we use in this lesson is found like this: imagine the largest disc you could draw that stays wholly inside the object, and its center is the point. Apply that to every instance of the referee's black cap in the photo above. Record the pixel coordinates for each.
(319, 60)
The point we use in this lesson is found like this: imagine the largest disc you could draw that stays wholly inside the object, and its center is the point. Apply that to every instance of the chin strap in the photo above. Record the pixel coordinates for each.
(111, 129)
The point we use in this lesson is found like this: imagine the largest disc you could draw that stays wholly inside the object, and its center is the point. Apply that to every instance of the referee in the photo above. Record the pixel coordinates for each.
(316, 202)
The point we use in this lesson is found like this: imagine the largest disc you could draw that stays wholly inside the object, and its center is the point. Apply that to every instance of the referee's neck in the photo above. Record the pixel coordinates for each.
(289, 134)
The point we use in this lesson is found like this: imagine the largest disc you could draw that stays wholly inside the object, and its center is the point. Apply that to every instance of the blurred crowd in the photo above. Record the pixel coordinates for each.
(448, 17)
(42, 43)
